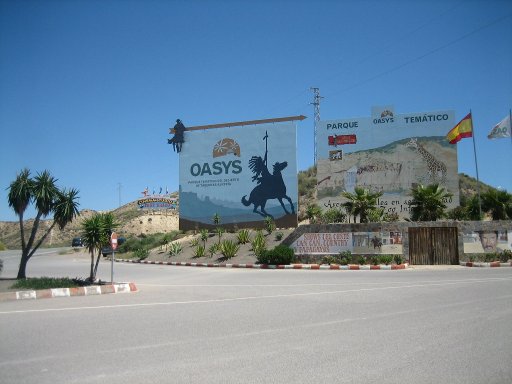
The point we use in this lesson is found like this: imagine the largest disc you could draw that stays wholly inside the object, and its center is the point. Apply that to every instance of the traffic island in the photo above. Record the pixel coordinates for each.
(67, 292)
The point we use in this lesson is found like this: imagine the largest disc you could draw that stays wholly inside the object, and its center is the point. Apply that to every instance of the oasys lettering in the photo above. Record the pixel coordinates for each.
(216, 168)
(383, 120)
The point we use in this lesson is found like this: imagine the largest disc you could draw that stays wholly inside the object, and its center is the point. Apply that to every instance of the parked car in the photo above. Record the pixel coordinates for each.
(76, 242)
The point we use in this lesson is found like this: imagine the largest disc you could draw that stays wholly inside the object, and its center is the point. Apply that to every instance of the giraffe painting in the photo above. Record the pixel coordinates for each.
(436, 168)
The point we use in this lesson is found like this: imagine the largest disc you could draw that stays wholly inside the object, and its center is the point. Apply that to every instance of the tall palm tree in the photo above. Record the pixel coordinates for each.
(428, 202)
(498, 203)
(43, 192)
(361, 203)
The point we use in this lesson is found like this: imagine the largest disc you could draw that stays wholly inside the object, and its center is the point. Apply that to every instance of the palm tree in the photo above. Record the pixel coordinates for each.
(472, 207)
(361, 203)
(498, 203)
(43, 192)
(428, 202)
(313, 213)
(96, 232)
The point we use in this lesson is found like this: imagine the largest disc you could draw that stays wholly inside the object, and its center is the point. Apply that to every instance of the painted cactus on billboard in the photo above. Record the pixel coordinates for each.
(242, 174)
(389, 153)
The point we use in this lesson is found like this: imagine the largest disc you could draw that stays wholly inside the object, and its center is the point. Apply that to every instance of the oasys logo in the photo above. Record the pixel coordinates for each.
(383, 115)
(222, 148)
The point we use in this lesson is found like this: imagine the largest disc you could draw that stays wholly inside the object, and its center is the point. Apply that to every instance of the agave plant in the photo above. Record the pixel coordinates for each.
(229, 249)
(175, 249)
(243, 236)
(199, 251)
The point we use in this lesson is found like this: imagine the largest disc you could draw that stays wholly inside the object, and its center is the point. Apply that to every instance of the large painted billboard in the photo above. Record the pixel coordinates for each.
(242, 174)
(389, 153)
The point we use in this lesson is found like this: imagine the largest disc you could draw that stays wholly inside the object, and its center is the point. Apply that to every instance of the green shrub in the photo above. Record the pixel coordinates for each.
(334, 215)
(505, 256)
(490, 257)
(47, 283)
(199, 251)
(398, 259)
(344, 261)
(471, 258)
(279, 236)
(329, 259)
(175, 249)
(243, 236)
(385, 259)
(2, 246)
(141, 253)
(374, 260)
(361, 260)
(228, 249)
(280, 255)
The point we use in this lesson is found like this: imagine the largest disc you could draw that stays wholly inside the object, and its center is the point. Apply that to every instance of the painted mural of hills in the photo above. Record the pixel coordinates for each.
(391, 147)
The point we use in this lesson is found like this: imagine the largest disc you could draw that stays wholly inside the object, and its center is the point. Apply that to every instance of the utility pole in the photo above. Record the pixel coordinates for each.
(316, 107)
(119, 186)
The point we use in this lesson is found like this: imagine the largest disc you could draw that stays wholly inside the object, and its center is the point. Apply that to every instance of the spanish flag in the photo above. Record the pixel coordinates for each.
(461, 130)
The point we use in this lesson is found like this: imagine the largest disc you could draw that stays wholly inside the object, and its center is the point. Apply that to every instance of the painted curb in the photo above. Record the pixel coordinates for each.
(493, 264)
(67, 292)
(350, 267)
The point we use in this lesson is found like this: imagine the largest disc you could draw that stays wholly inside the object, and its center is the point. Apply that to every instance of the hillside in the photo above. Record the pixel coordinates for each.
(136, 222)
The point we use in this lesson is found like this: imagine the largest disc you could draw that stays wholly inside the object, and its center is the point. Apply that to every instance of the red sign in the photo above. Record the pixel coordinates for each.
(342, 139)
(113, 240)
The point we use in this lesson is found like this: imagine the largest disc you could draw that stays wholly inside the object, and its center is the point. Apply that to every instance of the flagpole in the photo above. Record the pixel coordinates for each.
(476, 166)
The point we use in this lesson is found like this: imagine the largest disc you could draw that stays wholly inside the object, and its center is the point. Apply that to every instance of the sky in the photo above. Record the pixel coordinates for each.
(89, 89)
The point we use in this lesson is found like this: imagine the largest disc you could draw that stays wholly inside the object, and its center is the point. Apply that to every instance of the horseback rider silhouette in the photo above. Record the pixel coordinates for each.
(270, 186)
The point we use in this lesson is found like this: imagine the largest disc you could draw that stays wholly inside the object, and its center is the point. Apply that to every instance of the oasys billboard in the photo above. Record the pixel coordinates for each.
(388, 153)
(241, 174)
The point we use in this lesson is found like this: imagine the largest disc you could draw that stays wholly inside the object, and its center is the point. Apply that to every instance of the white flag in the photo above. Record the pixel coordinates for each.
(500, 130)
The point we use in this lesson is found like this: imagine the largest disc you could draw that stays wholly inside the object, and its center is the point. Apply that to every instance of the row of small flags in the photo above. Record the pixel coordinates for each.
(465, 129)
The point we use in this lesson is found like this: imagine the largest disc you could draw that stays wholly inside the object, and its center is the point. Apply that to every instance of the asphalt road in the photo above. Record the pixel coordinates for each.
(216, 325)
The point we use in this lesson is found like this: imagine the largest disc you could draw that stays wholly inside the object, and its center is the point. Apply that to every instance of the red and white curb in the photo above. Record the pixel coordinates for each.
(350, 267)
(493, 264)
(67, 292)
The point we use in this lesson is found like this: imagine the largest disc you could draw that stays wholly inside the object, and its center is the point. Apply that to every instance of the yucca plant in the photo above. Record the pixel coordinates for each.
(385, 259)
(258, 243)
(204, 236)
(213, 249)
(270, 226)
(229, 249)
(219, 231)
(243, 236)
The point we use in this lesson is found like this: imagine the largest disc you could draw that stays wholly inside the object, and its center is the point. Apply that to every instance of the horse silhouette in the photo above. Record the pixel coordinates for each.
(270, 186)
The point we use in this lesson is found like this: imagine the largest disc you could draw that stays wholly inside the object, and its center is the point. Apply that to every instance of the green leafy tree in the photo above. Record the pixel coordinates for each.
(96, 232)
(498, 203)
(428, 202)
(48, 199)
(361, 203)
